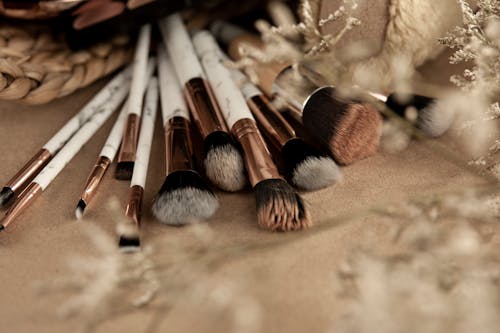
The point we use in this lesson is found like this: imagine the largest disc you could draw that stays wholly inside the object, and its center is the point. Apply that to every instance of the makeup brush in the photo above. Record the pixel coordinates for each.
(126, 156)
(184, 196)
(349, 130)
(19, 181)
(107, 154)
(222, 159)
(70, 149)
(279, 207)
(304, 165)
(130, 242)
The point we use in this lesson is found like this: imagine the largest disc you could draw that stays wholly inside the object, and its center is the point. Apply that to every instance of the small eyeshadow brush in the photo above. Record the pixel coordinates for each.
(128, 242)
(107, 154)
(126, 156)
(19, 181)
(279, 207)
(223, 162)
(67, 152)
(184, 197)
(304, 165)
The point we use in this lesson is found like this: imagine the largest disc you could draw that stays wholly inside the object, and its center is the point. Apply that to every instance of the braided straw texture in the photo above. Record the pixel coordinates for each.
(37, 66)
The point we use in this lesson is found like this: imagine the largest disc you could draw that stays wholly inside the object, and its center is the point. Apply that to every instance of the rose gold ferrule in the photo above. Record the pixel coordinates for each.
(258, 160)
(26, 197)
(179, 154)
(29, 170)
(128, 146)
(204, 108)
(95, 177)
(272, 124)
(134, 206)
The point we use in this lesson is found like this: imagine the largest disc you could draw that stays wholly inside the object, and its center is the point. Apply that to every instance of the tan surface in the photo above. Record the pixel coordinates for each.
(295, 289)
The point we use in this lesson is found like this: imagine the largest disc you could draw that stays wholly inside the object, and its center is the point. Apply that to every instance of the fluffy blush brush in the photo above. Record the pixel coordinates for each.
(305, 166)
(279, 207)
(222, 161)
(184, 197)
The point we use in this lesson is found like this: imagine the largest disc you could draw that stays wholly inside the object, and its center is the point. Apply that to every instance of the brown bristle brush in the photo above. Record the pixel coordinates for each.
(347, 129)
(279, 207)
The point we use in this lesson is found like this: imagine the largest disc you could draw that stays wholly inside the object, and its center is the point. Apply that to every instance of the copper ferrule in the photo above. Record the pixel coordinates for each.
(26, 197)
(128, 146)
(102, 164)
(258, 160)
(134, 206)
(272, 124)
(179, 154)
(205, 111)
(29, 170)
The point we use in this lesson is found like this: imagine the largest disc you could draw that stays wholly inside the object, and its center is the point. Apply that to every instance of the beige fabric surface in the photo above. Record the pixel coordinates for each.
(293, 284)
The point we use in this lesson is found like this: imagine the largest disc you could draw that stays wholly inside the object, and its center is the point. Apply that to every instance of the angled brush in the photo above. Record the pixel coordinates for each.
(184, 196)
(279, 207)
(106, 156)
(222, 160)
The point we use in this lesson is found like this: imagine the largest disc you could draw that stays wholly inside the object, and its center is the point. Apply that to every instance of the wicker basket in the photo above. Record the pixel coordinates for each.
(36, 66)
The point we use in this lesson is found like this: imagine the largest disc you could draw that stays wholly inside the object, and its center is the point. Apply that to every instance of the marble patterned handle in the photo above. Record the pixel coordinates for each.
(105, 95)
(114, 139)
(180, 48)
(139, 83)
(73, 146)
(146, 135)
(171, 97)
(227, 93)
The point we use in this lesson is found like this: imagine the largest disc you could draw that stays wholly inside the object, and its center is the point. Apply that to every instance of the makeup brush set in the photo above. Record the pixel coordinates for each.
(246, 140)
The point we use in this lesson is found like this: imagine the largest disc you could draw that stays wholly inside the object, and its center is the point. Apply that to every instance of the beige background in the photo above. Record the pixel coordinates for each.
(293, 284)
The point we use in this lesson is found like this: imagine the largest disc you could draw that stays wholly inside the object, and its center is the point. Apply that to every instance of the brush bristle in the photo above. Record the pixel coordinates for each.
(279, 207)
(5, 196)
(223, 162)
(308, 168)
(349, 130)
(1, 228)
(129, 244)
(432, 119)
(80, 208)
(124, 170)
(184, 198)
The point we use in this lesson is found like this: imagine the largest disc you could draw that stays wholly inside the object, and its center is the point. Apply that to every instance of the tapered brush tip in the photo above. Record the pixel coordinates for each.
(128, 244)
(80, 208)
(223, 162)
(308, 168)
(184, 198)
(124, 170)
(5, 196)
(350, 131)
(279, 207)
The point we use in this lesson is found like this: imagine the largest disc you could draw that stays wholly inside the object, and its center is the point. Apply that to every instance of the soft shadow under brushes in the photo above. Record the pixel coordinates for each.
(279, 207)
(184, 196)
(130, 242)
(222, 161)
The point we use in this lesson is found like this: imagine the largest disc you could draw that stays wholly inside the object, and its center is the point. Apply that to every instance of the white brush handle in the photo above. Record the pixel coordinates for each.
(115, 136)
(227, 93)
(105, 95)
(171, 97)
(138, 84)
(180, 48)
(146, 135)
(71, 148)
(248, 89)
